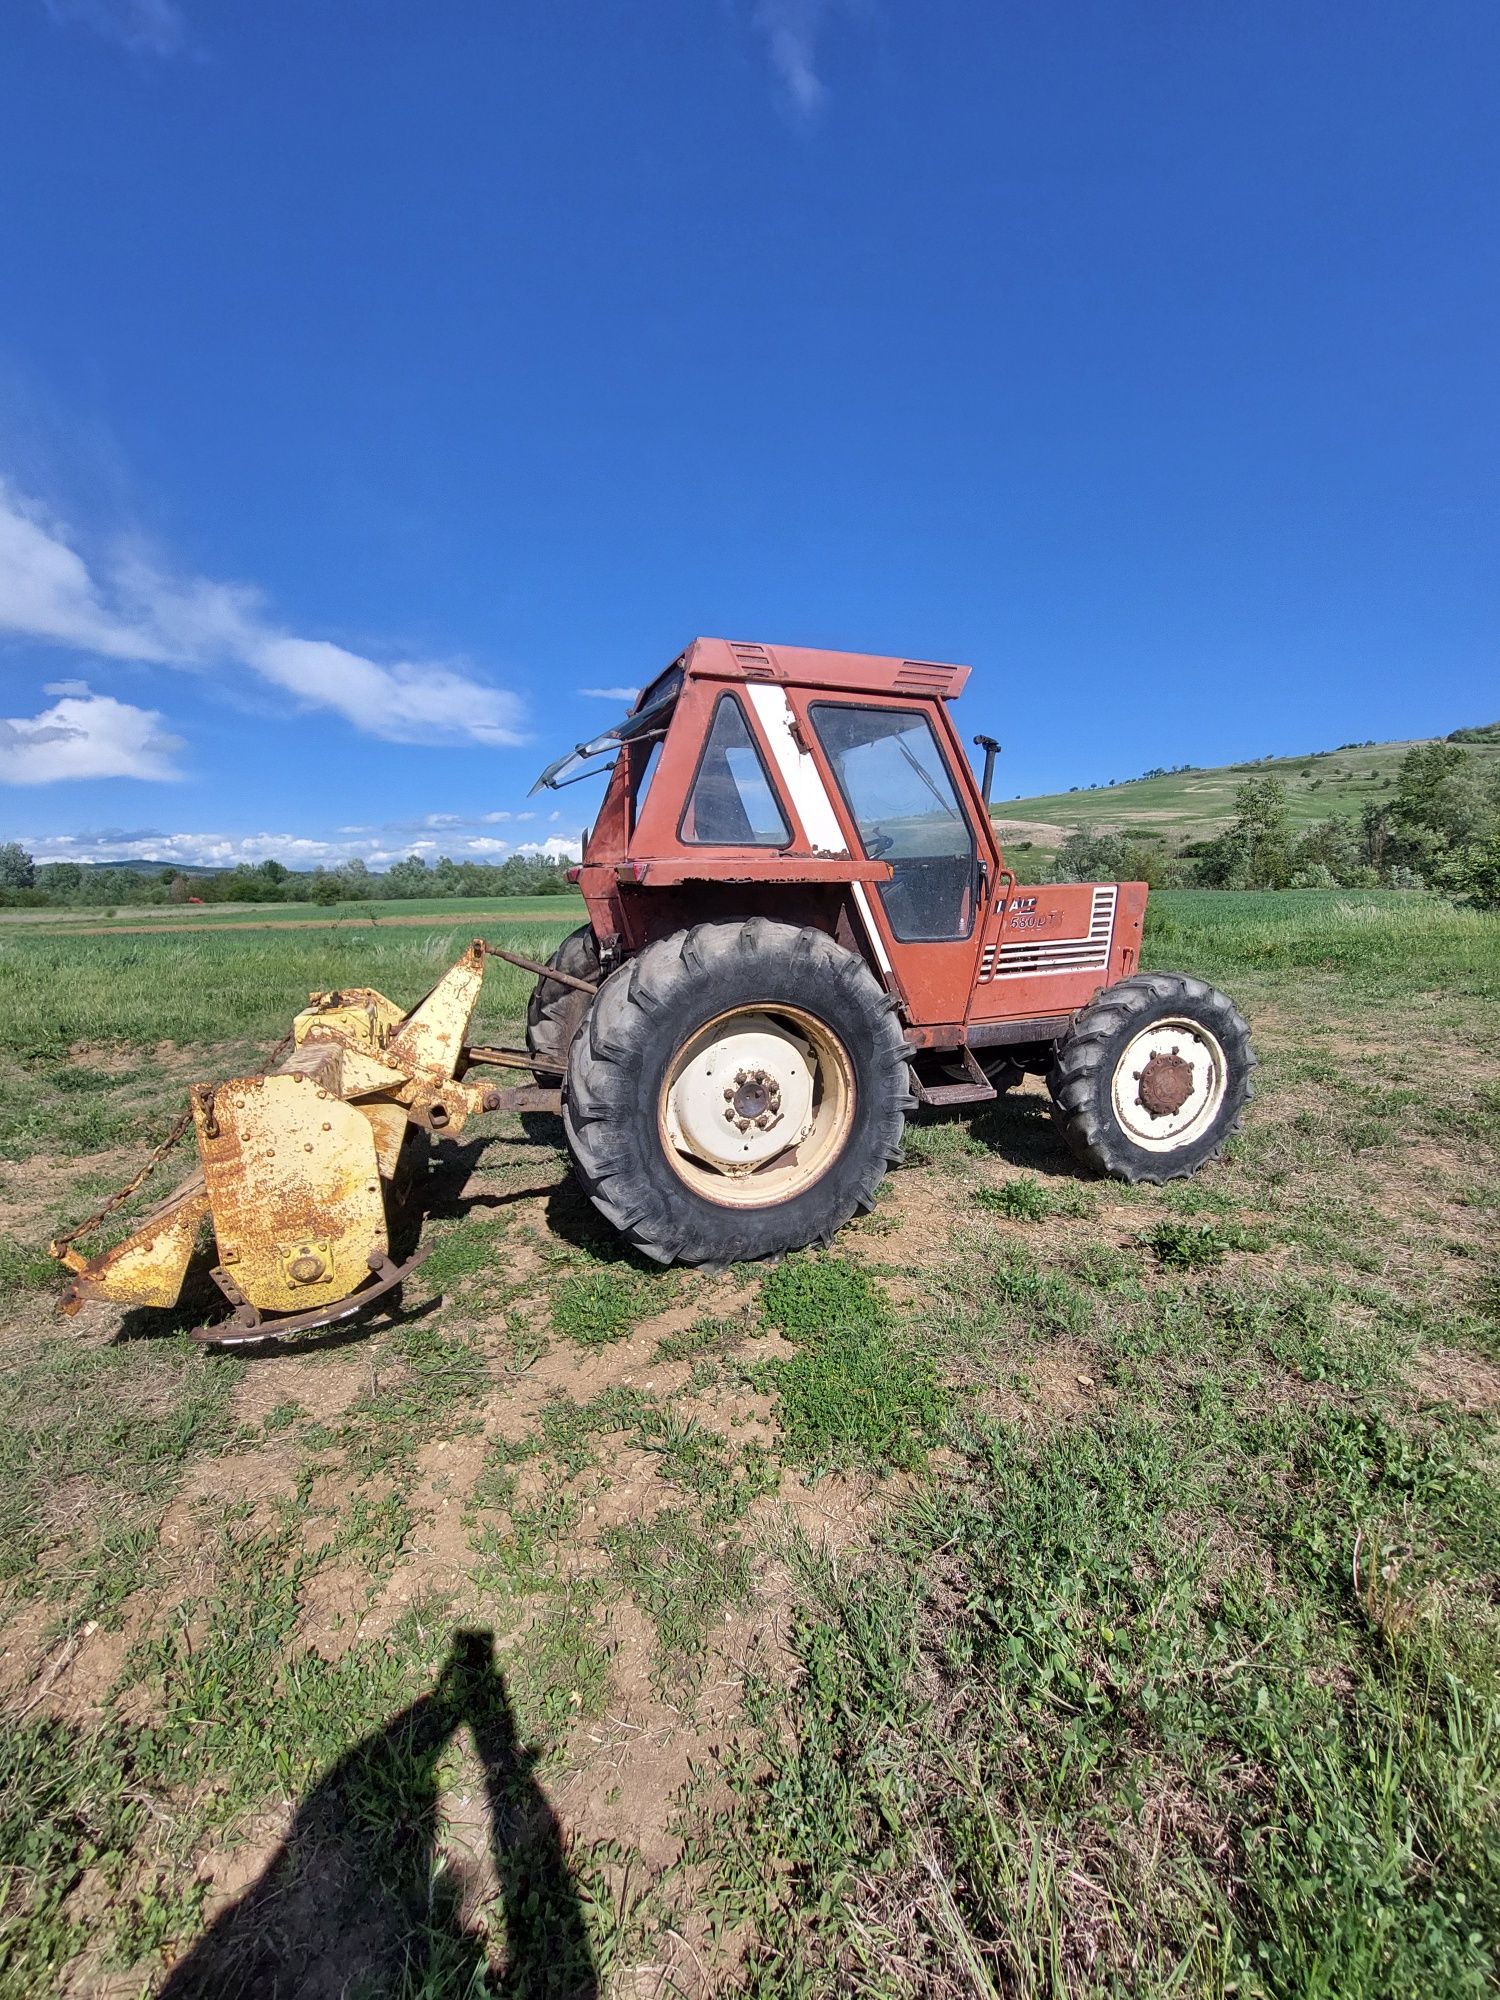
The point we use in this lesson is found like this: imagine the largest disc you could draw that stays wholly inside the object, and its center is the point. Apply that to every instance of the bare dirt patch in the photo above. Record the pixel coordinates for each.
(1445, 1375)
(1059, 1382)
(37, 1188)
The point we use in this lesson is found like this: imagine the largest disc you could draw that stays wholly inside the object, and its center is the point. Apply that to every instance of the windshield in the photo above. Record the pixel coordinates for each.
(649, 717)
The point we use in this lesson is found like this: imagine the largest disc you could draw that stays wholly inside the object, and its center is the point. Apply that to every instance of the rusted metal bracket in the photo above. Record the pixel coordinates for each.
(248, 1326)
(523, 1097)
(513, 1059)
(535, 965)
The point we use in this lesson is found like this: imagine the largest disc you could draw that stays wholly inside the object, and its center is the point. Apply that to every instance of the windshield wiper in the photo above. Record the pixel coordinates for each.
(926, 780)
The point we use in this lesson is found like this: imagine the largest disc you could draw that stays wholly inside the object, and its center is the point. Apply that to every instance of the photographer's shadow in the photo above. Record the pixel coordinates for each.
(354, 1901)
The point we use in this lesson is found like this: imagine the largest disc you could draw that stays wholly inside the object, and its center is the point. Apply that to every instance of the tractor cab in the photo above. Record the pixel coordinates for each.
(834, 785)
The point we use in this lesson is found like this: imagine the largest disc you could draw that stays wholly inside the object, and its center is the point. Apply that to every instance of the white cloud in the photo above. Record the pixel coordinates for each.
(611, 694)
(86, 736)
(134, 610)
(66, 687)
(301, 851)
(554, 848)
(145, 27)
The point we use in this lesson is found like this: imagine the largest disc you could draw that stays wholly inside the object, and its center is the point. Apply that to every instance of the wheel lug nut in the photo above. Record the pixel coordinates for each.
(729, 1114)
(728, 1092)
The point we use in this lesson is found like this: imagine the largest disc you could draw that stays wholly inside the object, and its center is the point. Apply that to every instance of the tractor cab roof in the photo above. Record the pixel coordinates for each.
(737, 660)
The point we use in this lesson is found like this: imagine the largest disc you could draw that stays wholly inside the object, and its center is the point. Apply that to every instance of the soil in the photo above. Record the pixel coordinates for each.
(1443, 1375)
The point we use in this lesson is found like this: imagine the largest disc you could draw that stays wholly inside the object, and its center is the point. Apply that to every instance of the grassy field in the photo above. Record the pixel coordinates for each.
(210, 985)
(367, 914)
(1057, 1588)
(1195, 805)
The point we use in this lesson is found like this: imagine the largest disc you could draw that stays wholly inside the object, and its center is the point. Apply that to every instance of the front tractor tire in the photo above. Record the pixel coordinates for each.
(736, 1091)
(1152, 1080)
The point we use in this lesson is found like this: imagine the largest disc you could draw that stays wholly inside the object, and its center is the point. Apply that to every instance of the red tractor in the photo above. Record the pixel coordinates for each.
(801, 926)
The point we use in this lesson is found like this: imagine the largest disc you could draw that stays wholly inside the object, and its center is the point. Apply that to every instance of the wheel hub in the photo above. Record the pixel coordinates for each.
(1169, 1083)
(1166, 1084)
(743, 1097)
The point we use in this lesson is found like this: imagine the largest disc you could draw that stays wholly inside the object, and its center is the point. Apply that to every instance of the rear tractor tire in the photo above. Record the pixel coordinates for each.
(555, 1012)
(1152, 1080)
(736, 1091)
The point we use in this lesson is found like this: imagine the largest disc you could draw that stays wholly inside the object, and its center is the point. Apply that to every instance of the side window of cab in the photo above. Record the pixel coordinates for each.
(732, 802)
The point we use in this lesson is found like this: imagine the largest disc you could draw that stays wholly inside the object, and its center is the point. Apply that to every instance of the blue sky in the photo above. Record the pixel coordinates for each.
(376, 378)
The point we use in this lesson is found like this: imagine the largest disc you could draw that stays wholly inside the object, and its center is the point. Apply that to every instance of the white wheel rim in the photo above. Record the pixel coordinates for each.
(1169, 1085)
(756, 1105)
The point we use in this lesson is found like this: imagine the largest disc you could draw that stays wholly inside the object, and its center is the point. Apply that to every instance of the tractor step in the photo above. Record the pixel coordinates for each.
(954, 1093)
(977, 1090)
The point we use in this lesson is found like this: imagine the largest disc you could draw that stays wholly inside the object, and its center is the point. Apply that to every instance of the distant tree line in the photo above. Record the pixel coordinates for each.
(60, 884)
(1439, 829)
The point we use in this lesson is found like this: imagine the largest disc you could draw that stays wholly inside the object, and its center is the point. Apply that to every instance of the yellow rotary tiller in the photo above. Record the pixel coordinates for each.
(305, 1171)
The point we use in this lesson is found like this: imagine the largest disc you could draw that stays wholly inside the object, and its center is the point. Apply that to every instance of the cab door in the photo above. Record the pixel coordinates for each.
(901, 801)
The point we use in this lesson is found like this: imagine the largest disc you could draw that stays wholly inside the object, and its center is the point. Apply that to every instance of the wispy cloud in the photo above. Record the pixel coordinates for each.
(790, 28)
(85, 736)
(440, 822)
(145, 27)
(128, 606)
(610, 694)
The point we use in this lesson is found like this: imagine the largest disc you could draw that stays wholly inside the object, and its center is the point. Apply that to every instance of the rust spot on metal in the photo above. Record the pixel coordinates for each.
(1166, 1084)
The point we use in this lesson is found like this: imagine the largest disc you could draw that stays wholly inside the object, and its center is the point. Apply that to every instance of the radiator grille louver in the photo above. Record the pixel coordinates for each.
(1025, 958)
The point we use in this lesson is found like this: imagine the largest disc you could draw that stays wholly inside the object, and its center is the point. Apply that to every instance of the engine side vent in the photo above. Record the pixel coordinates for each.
(1026, 958)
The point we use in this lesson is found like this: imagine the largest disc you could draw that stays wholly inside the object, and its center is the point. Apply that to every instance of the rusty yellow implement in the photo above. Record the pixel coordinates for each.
(304, 1171)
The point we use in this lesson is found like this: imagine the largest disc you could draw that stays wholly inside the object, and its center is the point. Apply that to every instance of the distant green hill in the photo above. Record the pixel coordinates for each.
(1195, 805)
(143, 865)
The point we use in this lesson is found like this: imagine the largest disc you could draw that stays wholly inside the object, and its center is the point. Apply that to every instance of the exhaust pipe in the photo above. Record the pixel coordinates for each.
(991, 751)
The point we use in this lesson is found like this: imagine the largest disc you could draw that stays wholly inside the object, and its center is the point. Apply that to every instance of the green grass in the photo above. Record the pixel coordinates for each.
(1027, 1199)
(1090, 1590)
(594, 1306)
(222, 986)
(96, 1442)
(1194, 805)
(1061, 1738)
(858, 1391)
(1390, 943)
(685, 1577)
(1195, 1246)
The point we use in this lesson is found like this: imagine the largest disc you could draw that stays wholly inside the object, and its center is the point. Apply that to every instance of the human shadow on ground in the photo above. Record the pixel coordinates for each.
(356, 1899)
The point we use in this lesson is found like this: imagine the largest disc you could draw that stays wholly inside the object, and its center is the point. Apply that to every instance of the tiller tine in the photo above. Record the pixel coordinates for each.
(303, 1170)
